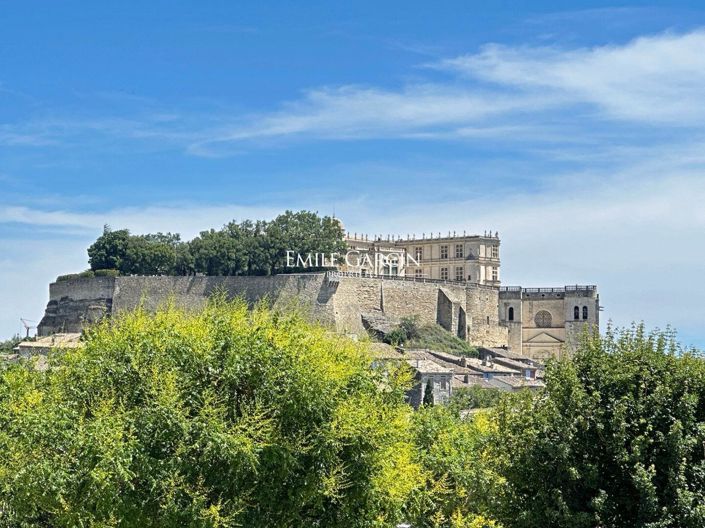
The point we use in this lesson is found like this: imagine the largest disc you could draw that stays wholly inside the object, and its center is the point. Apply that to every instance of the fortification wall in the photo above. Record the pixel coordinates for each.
(76, 303)
(484, 328)
(336, 301)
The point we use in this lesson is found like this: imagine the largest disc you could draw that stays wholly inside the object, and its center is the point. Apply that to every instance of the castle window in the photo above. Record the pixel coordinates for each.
(418, 273)
(495, 252)
(458, 251)
(510, 313)
(585, 312)
(495, 273)
(469, 277)
(488, 319)
(459, 272)
(444, 273)
(576, 313)
(418, 253)
(543, 319)
(444, 252)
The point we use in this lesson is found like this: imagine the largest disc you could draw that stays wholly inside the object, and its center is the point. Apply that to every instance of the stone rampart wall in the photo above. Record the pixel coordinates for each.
(337, 303)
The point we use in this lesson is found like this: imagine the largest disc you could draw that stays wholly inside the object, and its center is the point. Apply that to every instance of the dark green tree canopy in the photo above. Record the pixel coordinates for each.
(244, 248)
(617, 438)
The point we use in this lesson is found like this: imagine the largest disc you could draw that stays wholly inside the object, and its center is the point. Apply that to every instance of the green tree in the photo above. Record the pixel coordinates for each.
(616, 439)
(110, 250)
(226, 417)
(460, 489)
(302, 232)
(216, 253)
(474, 397)
(428, 399)
(8, 346)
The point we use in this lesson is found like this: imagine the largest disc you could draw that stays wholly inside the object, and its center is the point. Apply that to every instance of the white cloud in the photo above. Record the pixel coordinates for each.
(656, 79)
(499, 93)
(187, 219)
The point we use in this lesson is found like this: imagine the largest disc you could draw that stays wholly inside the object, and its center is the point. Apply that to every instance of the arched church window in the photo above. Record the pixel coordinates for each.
(576, 313)
(585, 312)
(543, 319)
(510, 313)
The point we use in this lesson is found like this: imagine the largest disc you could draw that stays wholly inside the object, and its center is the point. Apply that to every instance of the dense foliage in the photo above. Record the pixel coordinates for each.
(224, 418)
(474, 397)
(7, 346)
(617, 439)
(244, 248)
(231, 417)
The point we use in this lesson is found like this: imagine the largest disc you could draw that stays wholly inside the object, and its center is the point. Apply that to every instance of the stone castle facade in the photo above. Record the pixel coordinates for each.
(450, 280)
(539, 321)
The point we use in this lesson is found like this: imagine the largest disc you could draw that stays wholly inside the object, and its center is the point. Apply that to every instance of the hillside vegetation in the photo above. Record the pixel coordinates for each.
(434, 337)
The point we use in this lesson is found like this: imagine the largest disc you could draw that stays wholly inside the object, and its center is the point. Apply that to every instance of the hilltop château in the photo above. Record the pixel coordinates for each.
(452, 280)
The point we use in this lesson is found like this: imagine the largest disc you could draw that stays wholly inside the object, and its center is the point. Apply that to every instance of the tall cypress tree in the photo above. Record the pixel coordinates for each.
(428, 393)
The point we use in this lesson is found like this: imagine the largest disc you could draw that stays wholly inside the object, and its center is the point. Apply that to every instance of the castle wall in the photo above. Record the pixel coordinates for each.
(334, 300)
(76, 303)
(484, 328)
(474, 312)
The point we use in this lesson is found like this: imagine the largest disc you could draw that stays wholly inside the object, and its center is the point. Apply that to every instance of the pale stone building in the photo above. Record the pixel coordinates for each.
(542, 320)
(457, 258)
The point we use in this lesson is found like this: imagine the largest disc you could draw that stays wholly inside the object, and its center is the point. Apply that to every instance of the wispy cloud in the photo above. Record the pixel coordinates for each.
(503, 93)
(657, 79)
(187, 219)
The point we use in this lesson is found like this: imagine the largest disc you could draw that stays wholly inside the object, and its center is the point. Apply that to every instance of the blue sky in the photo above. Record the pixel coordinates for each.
(574, 129)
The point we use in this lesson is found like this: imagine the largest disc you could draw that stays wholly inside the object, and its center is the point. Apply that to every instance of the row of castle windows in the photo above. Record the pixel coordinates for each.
(545, 317)
(459, 252)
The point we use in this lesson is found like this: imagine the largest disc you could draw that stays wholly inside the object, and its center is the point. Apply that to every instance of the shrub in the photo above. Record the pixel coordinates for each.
(106, 273)
(224, 417)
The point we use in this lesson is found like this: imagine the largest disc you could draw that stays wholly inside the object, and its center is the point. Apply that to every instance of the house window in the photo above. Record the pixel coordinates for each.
(459, 273)
(585, 312)
(458, 251)
(444, 273)
(495, 252)
(443, 384)
(495, 274)
(576, 313)
(444, 252)
(418, 273)
(418, 252)
(510, 313)
(543, 319)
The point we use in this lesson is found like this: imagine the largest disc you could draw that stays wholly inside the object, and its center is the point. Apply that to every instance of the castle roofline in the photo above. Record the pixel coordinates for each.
(559, 289)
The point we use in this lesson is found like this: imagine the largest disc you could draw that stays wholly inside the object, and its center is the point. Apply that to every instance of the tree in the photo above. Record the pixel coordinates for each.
(428, 393)
(303, 232)
(225, 417)
(459, 488)
(474, 397)
(110, 250)
(616, 439)
(216, 253)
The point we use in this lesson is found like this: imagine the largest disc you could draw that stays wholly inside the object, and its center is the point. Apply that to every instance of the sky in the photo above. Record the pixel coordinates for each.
(575, 129)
